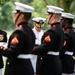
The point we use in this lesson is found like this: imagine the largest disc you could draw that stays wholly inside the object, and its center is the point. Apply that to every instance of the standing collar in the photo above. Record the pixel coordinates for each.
(57, 23)
(23, 24)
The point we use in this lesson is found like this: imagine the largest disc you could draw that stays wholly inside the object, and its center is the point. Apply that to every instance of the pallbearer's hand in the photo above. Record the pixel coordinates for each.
(34, 48)
(2, 48)
(74, 57)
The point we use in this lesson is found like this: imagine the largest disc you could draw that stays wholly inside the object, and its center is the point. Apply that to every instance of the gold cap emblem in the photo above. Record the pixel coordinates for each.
(1, 37)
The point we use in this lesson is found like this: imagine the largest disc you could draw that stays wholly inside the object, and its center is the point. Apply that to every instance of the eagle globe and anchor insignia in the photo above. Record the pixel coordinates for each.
(1, 37)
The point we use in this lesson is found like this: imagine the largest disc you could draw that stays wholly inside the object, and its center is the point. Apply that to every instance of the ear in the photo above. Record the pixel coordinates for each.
(34, 23)
(54, 15)
(22, 15)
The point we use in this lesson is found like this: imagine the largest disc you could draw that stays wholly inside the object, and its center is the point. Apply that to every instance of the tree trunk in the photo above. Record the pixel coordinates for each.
(65, 4)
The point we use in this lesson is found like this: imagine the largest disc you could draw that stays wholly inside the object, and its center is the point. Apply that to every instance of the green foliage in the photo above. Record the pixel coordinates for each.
(6, 19)
(2, 1)
(72, 7)
(50, 2)
(26, 1)
(6, 8)
(6, 15)
(40, 9)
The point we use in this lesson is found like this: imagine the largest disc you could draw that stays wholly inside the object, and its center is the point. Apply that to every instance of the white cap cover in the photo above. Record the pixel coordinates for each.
(23, 7)
(39, 19)
(68, 15)
(54, 9)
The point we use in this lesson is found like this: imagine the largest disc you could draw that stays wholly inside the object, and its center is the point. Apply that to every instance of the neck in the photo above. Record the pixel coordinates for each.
(55, 19)
(22, 24)
(19, 21)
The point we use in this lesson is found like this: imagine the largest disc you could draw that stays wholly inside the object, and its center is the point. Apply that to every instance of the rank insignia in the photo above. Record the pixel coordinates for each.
(47, 38)
(14, 40)
(1, 37)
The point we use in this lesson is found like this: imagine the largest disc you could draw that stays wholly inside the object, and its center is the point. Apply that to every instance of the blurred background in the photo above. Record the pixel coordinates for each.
(7, 6)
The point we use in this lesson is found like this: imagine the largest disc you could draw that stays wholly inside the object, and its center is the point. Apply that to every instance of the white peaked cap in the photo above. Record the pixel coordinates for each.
(54, 9)
(23, 7)
(68, 15)
(38, 19)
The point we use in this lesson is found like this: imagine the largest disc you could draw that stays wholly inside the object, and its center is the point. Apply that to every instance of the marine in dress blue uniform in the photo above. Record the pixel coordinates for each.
(38, 31)
(21, 43)
(52, 42)
(68, 49)
(74, 48)
(3, 42)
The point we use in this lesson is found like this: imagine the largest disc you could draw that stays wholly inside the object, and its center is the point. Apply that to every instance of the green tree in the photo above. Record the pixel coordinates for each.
(40, 10)
(6, 19)
(65, 4)
(26, 1)
(6, 15)
(6, 8)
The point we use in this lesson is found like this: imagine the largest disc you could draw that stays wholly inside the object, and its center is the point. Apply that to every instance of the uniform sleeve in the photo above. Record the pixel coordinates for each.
(48, 42)
(68, 41)
(16, 44)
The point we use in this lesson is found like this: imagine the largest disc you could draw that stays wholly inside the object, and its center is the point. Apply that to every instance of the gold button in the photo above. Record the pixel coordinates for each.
(8, 63)
(41, 58)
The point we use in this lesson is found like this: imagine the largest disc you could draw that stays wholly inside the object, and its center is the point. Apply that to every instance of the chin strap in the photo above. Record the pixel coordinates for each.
(18, 16)
(50, 18)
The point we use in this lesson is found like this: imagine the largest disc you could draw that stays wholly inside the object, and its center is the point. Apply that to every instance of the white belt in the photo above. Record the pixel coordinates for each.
(53, 53)
(24, 56)
(69, 53)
